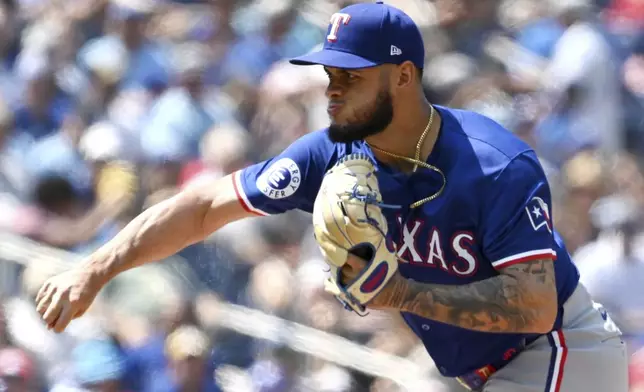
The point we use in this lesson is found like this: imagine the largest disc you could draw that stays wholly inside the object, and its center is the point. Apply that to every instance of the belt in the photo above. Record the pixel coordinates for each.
(476, 379)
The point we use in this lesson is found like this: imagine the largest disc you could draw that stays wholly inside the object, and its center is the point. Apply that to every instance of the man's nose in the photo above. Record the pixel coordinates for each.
(334, 91)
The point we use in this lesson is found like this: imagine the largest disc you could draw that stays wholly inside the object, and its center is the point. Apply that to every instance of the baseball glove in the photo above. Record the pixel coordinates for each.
(347, 219)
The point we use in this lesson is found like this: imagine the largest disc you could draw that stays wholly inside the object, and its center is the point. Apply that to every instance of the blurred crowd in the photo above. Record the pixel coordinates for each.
(110, 106)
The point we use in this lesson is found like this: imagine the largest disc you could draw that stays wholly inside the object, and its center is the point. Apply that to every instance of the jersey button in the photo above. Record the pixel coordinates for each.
(442, 369)
(425, 327)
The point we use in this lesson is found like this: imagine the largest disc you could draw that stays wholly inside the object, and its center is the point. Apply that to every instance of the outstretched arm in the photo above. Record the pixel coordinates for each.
(277, 185)
(168, 227)
(522, 299)
(288, 181)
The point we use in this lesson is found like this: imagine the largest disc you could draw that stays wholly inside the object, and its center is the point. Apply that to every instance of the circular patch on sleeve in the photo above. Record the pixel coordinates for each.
(280, 180)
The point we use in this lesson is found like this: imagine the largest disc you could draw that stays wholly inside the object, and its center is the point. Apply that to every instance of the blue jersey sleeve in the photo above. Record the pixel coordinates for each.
(517, 223)
(288, 181)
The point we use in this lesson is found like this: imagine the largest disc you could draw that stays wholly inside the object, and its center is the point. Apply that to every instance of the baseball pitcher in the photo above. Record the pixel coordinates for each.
(441, 215)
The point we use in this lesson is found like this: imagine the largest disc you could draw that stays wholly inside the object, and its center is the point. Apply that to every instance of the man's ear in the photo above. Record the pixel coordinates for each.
(405, 74)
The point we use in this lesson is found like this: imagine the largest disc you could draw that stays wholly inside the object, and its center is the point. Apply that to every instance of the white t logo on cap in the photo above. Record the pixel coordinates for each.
(337, 19)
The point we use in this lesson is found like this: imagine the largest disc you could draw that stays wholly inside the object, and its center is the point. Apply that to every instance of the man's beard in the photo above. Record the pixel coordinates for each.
(378, 120)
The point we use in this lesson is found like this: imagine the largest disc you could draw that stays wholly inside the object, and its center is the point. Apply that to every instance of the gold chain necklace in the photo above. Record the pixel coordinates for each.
(417, 162)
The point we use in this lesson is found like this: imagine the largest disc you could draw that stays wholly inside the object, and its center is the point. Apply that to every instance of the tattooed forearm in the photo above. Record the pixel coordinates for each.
(522, 299)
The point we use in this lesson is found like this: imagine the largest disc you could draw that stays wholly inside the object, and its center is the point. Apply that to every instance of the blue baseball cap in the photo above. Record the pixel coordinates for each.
(367, 35)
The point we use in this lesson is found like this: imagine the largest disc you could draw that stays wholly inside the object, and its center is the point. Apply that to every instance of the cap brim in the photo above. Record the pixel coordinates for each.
(333, 58)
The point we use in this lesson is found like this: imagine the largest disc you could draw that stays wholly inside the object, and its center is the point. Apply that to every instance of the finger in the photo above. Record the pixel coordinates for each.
(347, 275)
(356, 262)
(53, 311)
(64, 318)
(44, 290)
(353, 267)
(44, 302)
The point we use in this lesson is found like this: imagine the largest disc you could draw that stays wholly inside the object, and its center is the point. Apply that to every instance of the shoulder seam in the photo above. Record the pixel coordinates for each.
(512, 159)
(485, 142)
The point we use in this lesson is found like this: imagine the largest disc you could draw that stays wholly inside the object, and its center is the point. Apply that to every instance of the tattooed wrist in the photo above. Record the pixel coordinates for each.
(520, 300)
(395, 295)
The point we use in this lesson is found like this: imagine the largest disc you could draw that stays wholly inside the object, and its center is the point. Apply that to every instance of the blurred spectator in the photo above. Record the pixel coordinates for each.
(581, 83)
(625, 18)
(291, 101)
(636, 372)
(179, 119)
(446, 73)
(224, 149)
(583, 178)
(99, 366)
(147, 61)
(149, 358)
(17, 371)
(103, 143)
(268, 284)
(251, 57)
(62, 217)
(633, 78)
(9, 31)
(5, 337)
(14, 180)
(188, 350)
(467, 23)
(611, 265)
(285, 34)
(45, 104)
(58, 154)
(276, 369)
(105, 64)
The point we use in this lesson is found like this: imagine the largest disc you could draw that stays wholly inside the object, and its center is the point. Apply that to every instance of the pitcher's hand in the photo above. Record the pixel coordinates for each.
(66, 296)
(391, 296)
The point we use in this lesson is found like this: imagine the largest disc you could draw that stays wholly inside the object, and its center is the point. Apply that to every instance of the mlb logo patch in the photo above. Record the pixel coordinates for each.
(538, 213)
